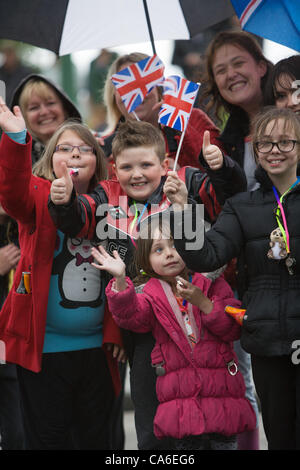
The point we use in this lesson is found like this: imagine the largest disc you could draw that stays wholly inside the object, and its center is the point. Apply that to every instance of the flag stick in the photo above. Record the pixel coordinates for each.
(135, 115)
(181, 139)
(179, 148)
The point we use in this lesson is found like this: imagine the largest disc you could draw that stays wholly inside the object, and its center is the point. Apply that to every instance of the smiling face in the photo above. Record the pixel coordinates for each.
(238, 77)
(84, 162)
(278, 164)
(164, 259)
(44, 114)
(139, 171)
(285, 95)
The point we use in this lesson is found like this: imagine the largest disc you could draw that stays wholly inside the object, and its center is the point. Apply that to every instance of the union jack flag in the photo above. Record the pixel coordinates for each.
(178, 100)
(134, 82)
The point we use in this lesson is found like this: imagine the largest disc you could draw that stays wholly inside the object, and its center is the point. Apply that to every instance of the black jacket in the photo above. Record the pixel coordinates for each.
(233, 135)
(272, 296)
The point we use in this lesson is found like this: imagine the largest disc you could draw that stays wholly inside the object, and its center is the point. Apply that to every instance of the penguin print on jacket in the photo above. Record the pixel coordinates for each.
(79, 282)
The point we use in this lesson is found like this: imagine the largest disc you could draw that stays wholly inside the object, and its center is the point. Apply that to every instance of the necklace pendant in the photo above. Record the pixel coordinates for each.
(290, 264)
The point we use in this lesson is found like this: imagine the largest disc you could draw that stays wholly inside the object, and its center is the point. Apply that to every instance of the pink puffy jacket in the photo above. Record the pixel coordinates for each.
(198, 391)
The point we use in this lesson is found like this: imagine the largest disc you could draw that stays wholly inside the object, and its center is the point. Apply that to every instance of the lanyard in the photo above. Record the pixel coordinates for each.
(284, 230)
(136, 220)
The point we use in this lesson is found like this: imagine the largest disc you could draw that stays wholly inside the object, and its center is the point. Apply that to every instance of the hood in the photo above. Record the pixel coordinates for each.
(69, 106)
(213, 275)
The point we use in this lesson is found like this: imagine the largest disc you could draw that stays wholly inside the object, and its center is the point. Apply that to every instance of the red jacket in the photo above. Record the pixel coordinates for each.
(197, 393)
(23, 317)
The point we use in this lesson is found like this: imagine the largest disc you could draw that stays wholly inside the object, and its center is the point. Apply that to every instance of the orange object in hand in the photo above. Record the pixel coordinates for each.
(236, 313)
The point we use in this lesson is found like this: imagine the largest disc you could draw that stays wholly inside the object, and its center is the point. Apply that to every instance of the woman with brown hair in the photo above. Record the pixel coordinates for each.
(237, 74)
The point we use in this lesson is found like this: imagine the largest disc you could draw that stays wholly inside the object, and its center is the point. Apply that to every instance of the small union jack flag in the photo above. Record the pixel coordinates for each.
(134, 82)
(178, 100)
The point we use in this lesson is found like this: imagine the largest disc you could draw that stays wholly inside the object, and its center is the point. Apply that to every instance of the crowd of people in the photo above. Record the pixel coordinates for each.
(94, 220)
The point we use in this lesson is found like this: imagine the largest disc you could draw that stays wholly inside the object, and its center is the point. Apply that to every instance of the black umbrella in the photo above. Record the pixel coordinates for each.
(66, 26)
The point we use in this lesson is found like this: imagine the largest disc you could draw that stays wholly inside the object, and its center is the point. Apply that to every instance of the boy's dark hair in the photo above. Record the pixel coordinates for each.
(133, 134)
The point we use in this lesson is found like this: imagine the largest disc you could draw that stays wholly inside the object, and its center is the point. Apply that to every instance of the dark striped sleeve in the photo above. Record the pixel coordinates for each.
(78, 218)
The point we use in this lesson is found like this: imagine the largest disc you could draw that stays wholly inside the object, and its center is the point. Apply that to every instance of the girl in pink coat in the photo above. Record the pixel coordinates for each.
(201, 393)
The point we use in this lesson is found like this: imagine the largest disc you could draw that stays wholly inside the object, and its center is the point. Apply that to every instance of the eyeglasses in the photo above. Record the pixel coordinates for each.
(66, 148)
(283, 146)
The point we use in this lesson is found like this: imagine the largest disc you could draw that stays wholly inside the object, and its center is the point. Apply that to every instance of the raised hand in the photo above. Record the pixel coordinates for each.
(114, 265)
(11, 121)
(211, 153)
(61, 188)
(175, 190)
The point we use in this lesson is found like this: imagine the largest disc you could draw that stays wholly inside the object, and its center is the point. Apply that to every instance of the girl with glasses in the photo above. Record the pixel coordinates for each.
(262, 228)
(57, 331)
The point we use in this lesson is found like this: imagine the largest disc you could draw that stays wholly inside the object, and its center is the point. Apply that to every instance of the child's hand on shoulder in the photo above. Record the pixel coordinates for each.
(211, 153)
(11, 121)
(193, 294)
(175, 190)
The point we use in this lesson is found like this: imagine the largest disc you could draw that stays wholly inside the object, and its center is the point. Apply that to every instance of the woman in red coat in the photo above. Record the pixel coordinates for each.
(55, 331)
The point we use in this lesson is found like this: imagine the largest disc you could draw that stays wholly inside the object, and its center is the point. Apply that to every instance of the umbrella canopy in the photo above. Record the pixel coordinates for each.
(66, 26)
(277, 20)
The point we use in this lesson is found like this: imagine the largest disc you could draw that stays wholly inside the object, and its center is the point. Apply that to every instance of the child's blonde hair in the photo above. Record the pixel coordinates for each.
(44, 166)
(132, 134)
(269, 114)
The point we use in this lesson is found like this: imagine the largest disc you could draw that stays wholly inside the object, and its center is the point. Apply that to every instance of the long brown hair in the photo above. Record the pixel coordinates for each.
(44, 166)
(240, 39)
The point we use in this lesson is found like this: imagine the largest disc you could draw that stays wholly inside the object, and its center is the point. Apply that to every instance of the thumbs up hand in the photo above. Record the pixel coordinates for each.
(211, 153)
(61, 188)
